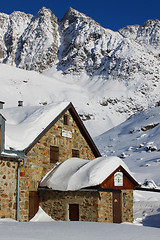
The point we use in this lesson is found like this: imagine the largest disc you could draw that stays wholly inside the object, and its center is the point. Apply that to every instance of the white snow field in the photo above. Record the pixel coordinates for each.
(75, 231)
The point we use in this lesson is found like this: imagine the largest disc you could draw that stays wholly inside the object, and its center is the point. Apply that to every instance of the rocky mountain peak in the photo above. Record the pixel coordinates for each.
(45, 13)
(147, 34)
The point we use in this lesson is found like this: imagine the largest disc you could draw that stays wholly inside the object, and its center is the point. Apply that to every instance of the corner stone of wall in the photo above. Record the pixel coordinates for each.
(105, 207)
(127, 205)
(8, 189)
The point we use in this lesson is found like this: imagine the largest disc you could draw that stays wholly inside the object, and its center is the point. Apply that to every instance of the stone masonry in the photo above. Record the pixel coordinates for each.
(8, 176)
(105, 207)
(56, 204)
(127, 205)
(94, 206)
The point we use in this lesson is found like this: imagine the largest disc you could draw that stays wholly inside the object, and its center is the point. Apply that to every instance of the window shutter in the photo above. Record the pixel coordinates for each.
(75, 153)
(66, 119)
(54, 154)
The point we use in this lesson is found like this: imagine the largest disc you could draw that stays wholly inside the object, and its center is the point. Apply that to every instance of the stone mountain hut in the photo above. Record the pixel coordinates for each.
(100, 190)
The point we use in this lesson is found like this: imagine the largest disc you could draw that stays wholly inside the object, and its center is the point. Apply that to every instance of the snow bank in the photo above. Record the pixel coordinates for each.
(41, 216)
(7, 220)
(76, 173)
(76, 230)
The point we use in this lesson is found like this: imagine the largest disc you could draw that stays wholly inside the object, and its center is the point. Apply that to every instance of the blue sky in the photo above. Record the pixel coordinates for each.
(112, 14)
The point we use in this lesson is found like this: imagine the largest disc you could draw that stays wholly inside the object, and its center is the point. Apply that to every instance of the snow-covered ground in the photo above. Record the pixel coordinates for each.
(88, 95)
(43, 227)
(75, 230)
(36, 89)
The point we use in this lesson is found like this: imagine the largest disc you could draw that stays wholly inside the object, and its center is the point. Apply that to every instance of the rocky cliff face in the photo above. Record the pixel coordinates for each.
(85, 45)
(11, 29)
(147, 35)
(29, 42)
(129, 58)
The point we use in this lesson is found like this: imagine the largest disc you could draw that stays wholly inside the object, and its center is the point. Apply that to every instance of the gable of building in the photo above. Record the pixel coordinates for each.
(119, 179)
(62, 115)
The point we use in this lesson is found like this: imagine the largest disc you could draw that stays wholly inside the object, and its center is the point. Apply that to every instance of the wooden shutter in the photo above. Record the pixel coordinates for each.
(33, 203)
(74, 212)
(66, 119)
(54, 154)
(75, 153)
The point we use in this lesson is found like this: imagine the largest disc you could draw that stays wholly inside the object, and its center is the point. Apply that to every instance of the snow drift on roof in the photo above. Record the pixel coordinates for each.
(24, 124)
(76, 173)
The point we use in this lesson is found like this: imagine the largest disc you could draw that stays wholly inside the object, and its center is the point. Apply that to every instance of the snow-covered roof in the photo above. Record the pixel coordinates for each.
(24, 124)
(76, 173)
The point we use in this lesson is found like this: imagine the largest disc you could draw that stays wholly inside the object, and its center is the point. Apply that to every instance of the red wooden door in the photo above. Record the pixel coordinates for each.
(74, 212)
(117, 215)
(33, 203)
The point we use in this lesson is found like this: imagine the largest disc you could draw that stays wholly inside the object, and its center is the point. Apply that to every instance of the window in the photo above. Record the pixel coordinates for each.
(66, 119)
(54, 154)
(75, 153)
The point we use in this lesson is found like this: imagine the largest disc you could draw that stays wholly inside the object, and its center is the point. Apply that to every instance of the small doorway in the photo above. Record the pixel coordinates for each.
(74, 212)
(117, 215)
(33, 203)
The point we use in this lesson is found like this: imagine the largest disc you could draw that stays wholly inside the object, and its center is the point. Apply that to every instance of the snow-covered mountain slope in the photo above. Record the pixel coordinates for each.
(136, 141)
(36, 89)
(120, 69)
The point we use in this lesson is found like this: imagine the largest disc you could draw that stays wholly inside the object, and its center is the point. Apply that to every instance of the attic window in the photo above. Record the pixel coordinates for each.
(66, 119)
(75, 153)
(54, 154)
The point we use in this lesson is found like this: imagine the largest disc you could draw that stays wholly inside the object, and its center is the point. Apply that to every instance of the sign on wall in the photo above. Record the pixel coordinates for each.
(118, 179)
(66, 133)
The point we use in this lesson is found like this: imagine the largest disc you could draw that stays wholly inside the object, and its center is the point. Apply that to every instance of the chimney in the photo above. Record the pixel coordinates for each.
(1, 104)
(20, 103)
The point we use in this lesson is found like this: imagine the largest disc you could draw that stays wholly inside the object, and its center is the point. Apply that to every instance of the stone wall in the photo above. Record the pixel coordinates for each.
(8, 180)
(105, 207)
(127, 205)
(94, 206)
(56, 204)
